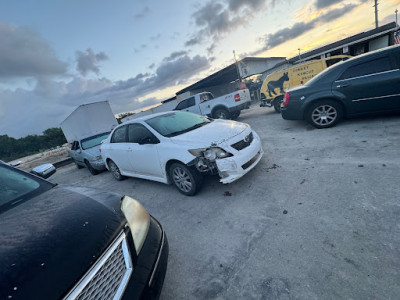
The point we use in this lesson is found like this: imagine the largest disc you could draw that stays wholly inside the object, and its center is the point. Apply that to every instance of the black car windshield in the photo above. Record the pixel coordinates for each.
(94, 140)
(317, 77)
(17, 186)
(176, 123)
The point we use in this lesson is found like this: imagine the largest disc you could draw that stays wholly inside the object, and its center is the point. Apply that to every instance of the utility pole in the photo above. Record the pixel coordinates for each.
(396, 11)
(376, 13)
(237, 67)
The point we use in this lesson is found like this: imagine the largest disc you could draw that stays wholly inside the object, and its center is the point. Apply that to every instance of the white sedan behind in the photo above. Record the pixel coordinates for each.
(180, 147)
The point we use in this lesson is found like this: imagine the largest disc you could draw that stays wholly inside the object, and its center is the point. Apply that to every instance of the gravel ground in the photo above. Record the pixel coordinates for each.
(318, 218)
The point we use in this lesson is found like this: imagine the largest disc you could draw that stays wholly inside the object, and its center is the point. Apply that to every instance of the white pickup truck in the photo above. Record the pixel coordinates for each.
(225, 107)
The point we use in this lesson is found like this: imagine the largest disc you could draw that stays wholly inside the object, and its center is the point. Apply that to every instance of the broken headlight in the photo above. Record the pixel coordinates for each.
(211, 154)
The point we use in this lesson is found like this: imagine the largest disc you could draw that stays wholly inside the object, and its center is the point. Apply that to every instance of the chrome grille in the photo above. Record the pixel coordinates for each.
(243, 143)
(108, 277)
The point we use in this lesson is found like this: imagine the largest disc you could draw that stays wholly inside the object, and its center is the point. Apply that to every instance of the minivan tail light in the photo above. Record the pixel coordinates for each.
(286, 99)
(237, 97)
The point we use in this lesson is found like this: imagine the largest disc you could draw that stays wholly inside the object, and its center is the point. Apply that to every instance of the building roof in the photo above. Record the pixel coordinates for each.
(226, 75)
(347, 41)
(230, 73)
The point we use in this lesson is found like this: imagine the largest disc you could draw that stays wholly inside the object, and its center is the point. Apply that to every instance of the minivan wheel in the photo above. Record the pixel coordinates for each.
(221, 113)
(324, 114)
(277, 105)
(92, 170)
(115, 171)
(187, 180)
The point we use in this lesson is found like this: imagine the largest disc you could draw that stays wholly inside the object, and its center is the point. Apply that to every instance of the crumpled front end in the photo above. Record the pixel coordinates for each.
(245, 151)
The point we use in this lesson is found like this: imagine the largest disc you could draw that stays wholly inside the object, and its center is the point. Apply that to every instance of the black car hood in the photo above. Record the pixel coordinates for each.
(50, 241)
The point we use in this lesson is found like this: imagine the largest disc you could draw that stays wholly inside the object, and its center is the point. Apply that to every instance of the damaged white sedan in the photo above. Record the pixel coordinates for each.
(180, 147)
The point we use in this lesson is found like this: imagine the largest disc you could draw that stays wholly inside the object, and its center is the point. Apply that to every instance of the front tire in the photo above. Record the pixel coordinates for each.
(221, 113)
(115, 171)
(324, 114)
(92, 170)
(78, 165)
(187, 180)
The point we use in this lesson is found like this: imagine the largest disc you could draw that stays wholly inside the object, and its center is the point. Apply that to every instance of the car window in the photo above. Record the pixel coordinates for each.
(175, 123)
(378, 65)
(330, 62)
(138, 133)
(17, 186)
(185, 103)
(93, 140)
(119, 135)
(205, 97)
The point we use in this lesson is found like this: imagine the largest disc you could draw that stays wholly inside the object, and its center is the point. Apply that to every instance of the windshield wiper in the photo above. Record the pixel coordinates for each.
(187, 129)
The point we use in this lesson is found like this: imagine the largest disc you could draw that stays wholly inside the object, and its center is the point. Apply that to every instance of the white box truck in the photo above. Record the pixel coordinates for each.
(84, 129)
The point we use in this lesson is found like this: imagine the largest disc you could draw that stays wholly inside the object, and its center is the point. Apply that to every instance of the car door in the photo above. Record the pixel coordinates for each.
(205, 103)
(118, 149)
(369, 86)
(143, 151)
(189, 105)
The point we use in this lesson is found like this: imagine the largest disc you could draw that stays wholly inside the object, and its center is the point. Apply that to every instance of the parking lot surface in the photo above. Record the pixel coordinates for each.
(318, 218)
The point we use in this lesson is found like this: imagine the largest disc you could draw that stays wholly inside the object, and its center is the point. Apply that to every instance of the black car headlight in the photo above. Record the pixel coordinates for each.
(138, 220)
(211, 154)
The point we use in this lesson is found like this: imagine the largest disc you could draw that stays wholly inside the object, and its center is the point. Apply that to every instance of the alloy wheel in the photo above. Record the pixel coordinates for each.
(182, 179)
(324, 115)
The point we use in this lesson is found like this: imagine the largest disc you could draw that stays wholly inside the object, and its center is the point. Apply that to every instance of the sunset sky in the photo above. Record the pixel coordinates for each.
(56, 55)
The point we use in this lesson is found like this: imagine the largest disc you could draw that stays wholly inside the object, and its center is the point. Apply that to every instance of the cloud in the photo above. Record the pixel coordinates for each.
(235, 5)
(143, 13)
(388, 19)
(215, 19)
(155, 37)
(281, 36)
(24, 53)
(89, 61)
(169, 73)
(336, 13)
(51, 101)
(175, 55)
(326, 3)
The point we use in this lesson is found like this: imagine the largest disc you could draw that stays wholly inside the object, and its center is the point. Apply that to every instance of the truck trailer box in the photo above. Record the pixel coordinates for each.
(88, 119)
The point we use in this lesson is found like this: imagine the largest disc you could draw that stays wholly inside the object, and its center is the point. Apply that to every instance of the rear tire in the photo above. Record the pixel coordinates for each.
(277, 105)
(324, 114)
(92, 170)
(115, 171)
(221, 113)
(186, 179)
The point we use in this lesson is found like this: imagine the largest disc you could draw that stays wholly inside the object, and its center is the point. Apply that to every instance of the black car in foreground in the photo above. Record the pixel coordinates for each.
(63, 242)
(369, 83)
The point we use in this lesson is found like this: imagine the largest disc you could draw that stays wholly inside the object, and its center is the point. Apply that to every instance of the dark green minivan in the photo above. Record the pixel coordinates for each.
(368, 83)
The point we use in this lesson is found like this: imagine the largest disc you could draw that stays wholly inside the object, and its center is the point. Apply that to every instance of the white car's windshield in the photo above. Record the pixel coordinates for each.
(94, 140)
(175, 123)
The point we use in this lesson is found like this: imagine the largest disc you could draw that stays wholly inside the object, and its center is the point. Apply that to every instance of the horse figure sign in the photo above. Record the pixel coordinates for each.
(274, 84)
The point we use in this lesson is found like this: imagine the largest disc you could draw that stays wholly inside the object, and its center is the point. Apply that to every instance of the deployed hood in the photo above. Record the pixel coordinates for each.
(215, 132)
(54, 238)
